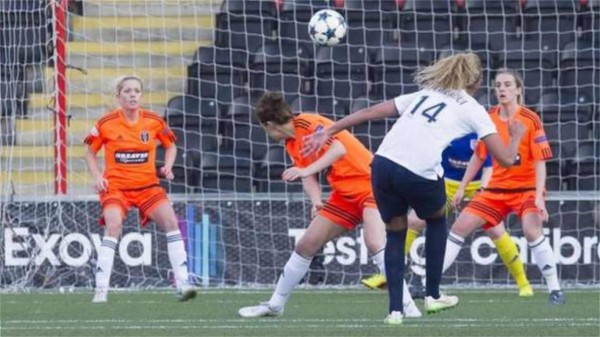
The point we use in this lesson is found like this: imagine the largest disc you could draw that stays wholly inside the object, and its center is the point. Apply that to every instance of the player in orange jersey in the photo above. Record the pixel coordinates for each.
(129, 136)
(350, 203)
(519, 189)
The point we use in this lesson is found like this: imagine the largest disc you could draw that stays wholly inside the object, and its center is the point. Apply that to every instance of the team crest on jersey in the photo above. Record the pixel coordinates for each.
(144, 136)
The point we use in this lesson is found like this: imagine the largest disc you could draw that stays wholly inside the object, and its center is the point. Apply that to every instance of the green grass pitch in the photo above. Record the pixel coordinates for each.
(315, 312)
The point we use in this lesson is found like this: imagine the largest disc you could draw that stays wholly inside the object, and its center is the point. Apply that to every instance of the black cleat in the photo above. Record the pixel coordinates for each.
(557, 297)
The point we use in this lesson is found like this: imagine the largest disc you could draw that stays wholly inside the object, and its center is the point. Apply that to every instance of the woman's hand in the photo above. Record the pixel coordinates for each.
(100, 184)
(540, 203)
(293, 173)
(167, 173)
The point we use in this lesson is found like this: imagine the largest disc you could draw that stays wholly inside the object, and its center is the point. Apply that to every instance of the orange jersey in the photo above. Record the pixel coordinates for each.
(348, 175)
(533, 148)
(130, 149)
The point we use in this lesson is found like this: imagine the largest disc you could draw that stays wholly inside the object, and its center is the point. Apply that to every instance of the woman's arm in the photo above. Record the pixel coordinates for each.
(315, 141)
(100, 183)
(540, 187)
(335, 151)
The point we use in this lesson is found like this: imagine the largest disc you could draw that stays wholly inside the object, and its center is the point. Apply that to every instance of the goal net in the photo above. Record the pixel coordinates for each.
(204, 63)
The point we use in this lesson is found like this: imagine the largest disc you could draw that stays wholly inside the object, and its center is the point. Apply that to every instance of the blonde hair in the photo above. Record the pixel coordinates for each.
(455, 72)
(518, 82)
(119, 82)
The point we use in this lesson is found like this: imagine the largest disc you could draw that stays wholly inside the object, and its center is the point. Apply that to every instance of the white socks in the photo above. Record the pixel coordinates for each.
(379, 261)
(453, 247)
(104, 265)
(177, 257)
(546, 261)
(293, 272)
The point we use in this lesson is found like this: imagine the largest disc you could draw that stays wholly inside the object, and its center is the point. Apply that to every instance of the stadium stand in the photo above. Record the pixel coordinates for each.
(262, 45)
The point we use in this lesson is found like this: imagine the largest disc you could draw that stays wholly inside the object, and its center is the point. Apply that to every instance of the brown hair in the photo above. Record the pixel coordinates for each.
(272, 107)
(455, 72)
(518, 81)
(119, 82)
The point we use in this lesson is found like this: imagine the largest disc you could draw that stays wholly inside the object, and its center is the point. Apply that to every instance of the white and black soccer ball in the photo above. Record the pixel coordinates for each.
(327, 27)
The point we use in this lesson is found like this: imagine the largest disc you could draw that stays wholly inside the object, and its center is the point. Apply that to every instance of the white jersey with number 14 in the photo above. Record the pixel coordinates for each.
(429, 121)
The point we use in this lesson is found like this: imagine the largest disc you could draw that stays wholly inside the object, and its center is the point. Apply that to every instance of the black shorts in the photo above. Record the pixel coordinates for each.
(396, 189)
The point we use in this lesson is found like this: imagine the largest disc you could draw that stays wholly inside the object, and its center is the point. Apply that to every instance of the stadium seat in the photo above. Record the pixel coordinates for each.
(342, 72)
(245, 25)
(579, 71)
(371, 134)
(427, 20)
(189, 111)
(394, 66)
(223, 172)
(13, 93)
(485, 23)
(555, 166)
(486, 97)
(590, 19)
(332, 108)
(555, 21)
(270, 169)
(537, 67)
(243, 134)
(487, 61)
(24, 45)
(294, 17)
(183, 179)
(370, 23)
(584, 173)
(304, 103)
(564, 106)
(217, 73)
(363, 102)
(279, 66)
(24, 12)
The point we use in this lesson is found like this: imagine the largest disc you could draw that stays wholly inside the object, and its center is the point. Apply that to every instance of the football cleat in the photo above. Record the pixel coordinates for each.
(376, 281)
(394, 318)
(557, 297)
(261, 310)
(444, 302)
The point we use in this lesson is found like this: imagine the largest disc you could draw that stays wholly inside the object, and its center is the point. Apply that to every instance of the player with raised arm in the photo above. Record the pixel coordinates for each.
(407, 171)
(455, 159)
(129, 135)
(519, 189)
(350, 203)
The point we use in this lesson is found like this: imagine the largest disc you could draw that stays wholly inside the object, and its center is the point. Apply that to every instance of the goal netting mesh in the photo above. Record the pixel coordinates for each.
(205, 62)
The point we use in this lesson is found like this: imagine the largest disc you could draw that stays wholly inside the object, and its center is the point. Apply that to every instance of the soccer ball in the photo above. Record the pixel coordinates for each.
(327, 27)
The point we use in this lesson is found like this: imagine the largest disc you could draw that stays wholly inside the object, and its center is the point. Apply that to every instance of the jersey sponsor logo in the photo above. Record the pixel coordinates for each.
(540, 139)
(131, 157)
(458, 163)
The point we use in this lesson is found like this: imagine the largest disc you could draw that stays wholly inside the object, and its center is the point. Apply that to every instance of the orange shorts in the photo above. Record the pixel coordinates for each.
(493, 207)
(146, 200)
(347, 211)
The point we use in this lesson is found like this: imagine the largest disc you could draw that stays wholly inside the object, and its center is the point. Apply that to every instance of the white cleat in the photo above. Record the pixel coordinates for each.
(444, 302)
(100, 296)
(261, 310)
(411, 310)
(187, 292)
(394, 318)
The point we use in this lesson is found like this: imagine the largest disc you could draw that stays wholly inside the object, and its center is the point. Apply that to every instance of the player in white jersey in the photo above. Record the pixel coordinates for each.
(407, 171)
